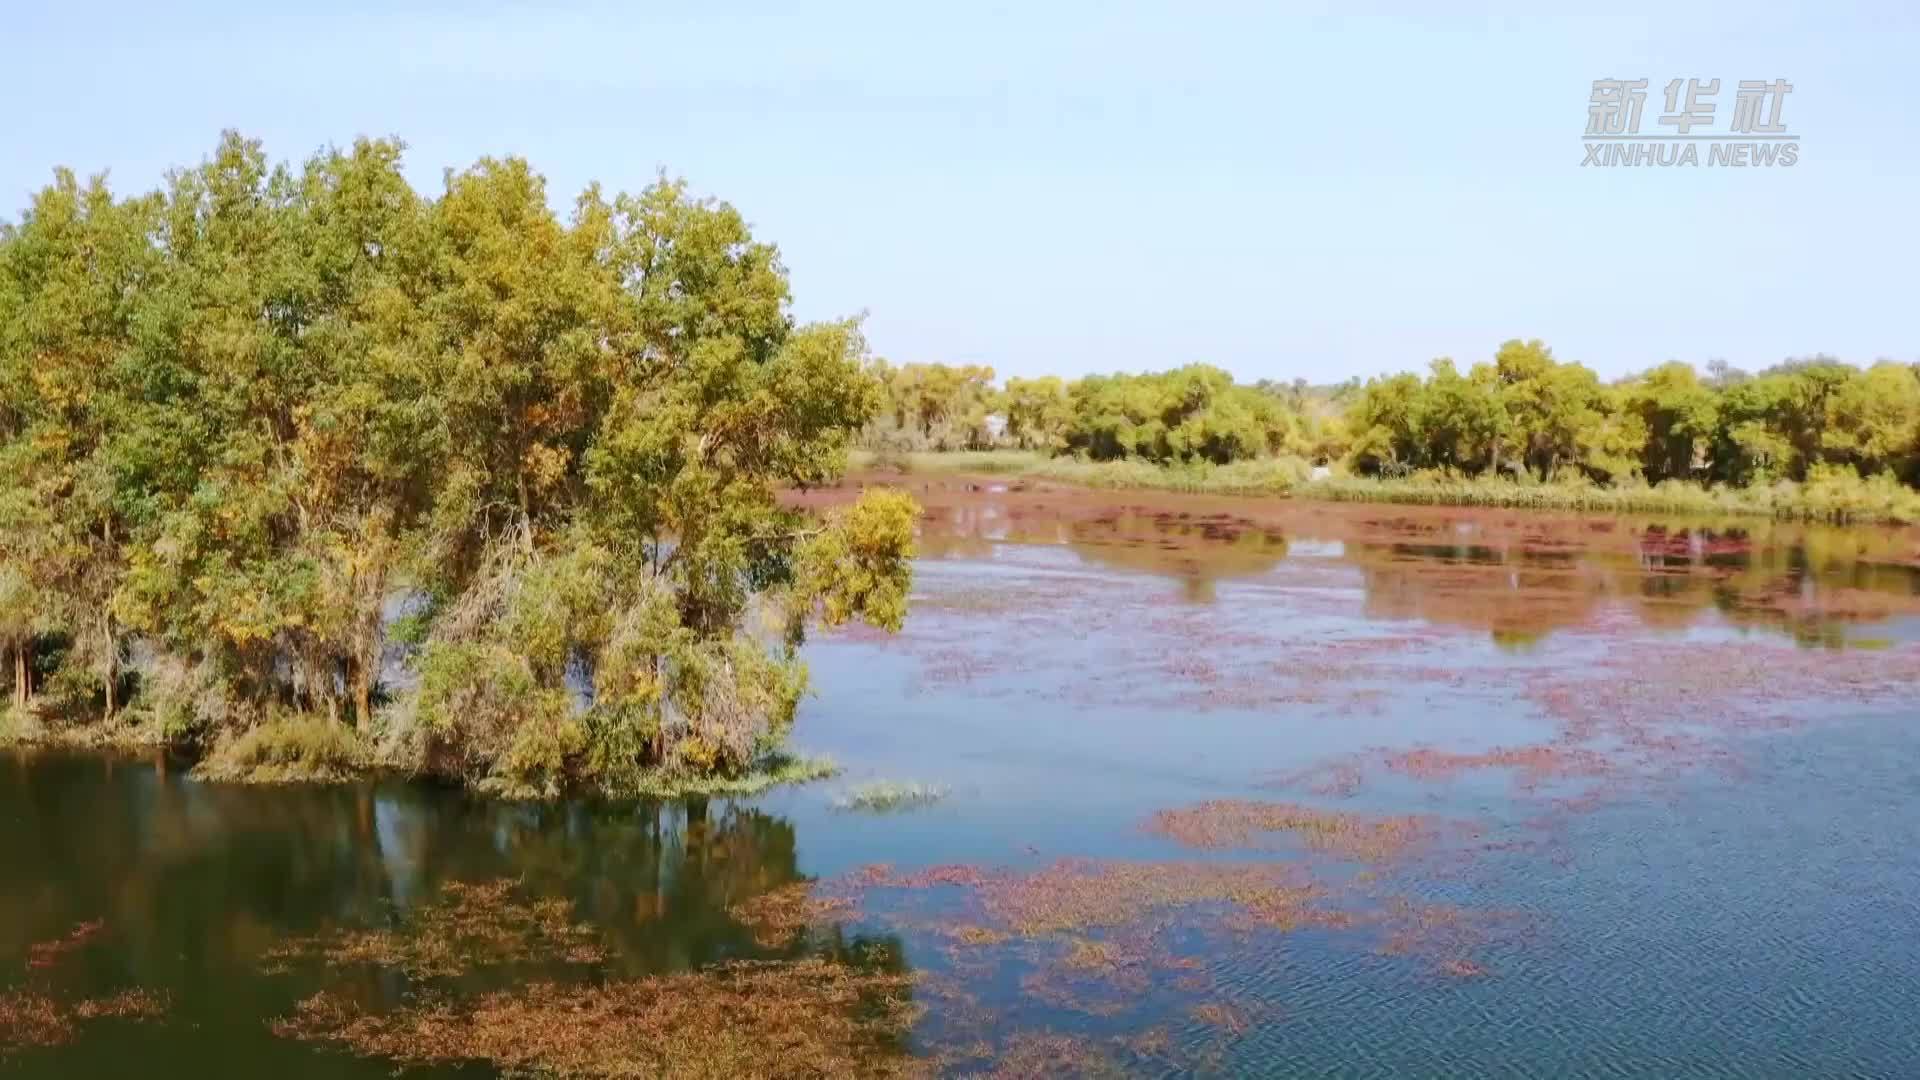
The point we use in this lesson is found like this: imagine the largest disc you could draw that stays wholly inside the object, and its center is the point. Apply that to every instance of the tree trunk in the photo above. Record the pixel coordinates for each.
(526, 512)
(22, 689)
(362, 696)
(113, 663)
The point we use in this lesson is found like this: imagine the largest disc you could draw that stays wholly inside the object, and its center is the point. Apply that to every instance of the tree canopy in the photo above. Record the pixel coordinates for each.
(1522, 412)
(249, 417)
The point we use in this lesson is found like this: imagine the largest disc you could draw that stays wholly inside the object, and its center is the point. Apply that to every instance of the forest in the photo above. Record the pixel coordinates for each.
(1524, 417)
(304, 469)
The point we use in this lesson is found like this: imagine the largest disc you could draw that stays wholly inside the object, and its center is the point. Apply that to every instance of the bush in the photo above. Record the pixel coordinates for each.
(19, 726)
(288, 749)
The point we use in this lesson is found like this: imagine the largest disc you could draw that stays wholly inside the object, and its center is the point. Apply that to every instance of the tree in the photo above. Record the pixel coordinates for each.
(248, 416)
(1873, 421)
(1194, 413)
(1679, 414)
(1038, 412)
(69, 271)
(1460, 421)
(1551, 406)
(1386, 437)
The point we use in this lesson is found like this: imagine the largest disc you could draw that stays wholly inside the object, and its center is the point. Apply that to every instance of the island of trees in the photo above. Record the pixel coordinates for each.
(272, 431)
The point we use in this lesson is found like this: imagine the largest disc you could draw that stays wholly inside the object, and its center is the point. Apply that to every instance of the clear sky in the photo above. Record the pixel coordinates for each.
(1075, 187)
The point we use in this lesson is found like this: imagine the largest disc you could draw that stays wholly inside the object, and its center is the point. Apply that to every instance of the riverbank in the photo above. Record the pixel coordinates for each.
(1837, 498)
(317, 751)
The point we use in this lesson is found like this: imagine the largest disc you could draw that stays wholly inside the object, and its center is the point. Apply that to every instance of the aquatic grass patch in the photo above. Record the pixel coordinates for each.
(805, 1018)
(1834, 495)
(466, 926)
(887, 795)
(36, 1017)
(1223, 824)
(46, 954)
(764, 774)
(35, 1020)
(288, 749)
(1532, 765)
(1073, 895)
(779, 916)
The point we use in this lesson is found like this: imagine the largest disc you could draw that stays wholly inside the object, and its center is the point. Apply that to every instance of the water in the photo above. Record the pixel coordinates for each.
(1663, 775)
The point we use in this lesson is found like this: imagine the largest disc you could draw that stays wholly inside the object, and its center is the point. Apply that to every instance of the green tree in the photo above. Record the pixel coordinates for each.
(248, 416)
(1038, 411)
(1680, 415)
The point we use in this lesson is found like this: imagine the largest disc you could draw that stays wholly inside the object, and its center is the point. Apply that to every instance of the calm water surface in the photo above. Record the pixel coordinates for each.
(1663, 777)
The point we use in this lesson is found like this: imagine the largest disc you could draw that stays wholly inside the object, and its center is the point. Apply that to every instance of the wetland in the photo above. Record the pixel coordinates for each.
(1146, 784)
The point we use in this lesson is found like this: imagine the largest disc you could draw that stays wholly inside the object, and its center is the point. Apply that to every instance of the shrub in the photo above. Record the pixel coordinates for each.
(288, 749)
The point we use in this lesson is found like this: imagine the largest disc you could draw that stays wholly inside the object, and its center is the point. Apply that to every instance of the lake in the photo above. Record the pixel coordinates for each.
(1225, 787)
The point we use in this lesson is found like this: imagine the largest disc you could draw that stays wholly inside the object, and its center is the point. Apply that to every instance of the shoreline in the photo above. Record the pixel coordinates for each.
(1863, 503)
(131, 741)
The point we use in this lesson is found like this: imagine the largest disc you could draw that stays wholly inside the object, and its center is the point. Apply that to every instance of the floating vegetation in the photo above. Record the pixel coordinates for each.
(1532, 763)
(1075, 895)
(1444, 935)
(46, 954)
(805, 1018)
(783, 914)
(1232, 1019)
(29, 1019)
(467, 926)
(769, 772)
(882, 795)
(1038, 1055)
(1237, 823)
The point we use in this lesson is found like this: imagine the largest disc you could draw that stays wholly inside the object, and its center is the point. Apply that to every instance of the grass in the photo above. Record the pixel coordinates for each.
(288, 750)
(20, 727)
(984, 462)
(1264, 476)
(1835, 496)
(771, 771)
(883, 795)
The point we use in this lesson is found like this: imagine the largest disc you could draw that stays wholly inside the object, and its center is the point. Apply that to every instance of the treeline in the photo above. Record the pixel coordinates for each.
(1526, 412)
(1522, 414)
(273, 432)
(1194, 413)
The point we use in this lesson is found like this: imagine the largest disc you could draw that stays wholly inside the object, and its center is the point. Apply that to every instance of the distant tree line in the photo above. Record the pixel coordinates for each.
(1522, 413)
(266, 427)
(1193, 413)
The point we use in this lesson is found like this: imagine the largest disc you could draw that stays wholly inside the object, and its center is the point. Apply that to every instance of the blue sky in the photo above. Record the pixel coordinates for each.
(1075, 187)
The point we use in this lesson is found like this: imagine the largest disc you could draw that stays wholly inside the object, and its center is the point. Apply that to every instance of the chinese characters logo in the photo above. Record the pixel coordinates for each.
(1755, 134)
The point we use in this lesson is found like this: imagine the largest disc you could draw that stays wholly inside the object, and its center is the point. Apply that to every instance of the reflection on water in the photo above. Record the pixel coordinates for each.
(194, 883)
(1518, 575)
